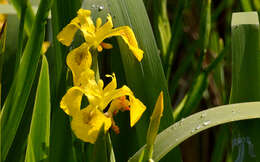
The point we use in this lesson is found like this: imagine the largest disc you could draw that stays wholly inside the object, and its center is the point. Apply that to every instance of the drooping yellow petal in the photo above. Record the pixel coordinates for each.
(67, 34)
(79, 60)
(125, 32)
(128, 36)
(137, 108)
(71, 101)
(87, 123)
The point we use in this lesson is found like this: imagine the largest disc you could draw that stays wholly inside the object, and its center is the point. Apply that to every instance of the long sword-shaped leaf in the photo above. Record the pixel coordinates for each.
(162, 26)
(2, 50)
(15, 102)
(29, 15)
(182, 130)
(61, 140)
(245, 82)
(38, 140)
(146, 78)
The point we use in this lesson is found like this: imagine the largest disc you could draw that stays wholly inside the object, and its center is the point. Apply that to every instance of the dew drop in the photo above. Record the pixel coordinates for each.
(206, 123)
(151, 160)
(93, 6)
(193, 130)
(100, 8)
(198, 127)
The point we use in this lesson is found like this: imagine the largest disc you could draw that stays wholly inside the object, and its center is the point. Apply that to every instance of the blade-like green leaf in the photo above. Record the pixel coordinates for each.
(15, 102)
(38, 140)
(61, 141)
(20, 35)
(245, 81)
(146, 78)
(182, 130)
(29, 15)
(221, 144)
(2, 50)
(246, 5)
(162, 26)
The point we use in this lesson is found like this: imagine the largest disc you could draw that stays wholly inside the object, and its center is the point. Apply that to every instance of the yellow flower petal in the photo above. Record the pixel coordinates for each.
(125, 32)
(93, 90)
(107, 27)
(98, 22)
(87, 123)
(45, 46)
(128, 36)
(71, 101)
(83, 15)
(85, 21)
(137, 108)
(117, 104)
(79, 60)
(67, 34)
(112, 85)
(95, 35)
(113, 94)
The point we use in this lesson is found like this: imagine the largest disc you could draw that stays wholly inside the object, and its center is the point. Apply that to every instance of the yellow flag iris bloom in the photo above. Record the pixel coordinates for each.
(87, 122)
(99, 98)
(94, 35)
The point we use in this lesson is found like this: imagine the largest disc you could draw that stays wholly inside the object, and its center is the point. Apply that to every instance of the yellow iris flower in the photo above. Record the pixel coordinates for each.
(87, 122)
(99, 98)
(94, 35)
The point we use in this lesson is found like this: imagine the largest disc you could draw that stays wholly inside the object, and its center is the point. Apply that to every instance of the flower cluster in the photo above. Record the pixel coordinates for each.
(87, 122)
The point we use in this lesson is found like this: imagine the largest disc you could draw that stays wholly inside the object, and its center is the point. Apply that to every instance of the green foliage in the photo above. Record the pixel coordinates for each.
(16, 100)
(187, 56)
(245, 79)
(38, 138)
(187, 127)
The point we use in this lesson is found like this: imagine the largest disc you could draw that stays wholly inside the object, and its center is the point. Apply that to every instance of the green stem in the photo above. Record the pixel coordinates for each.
(95, 65)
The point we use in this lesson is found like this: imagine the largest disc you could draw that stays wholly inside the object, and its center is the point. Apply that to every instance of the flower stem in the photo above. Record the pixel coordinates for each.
(95, 64)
